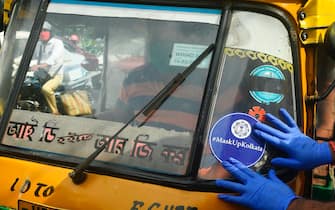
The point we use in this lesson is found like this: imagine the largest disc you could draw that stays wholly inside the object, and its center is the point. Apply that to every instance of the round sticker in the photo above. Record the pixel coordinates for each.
(231, 137)
(265, 97)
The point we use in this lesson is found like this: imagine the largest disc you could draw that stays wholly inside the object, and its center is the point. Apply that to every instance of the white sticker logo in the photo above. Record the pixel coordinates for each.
(241, 129)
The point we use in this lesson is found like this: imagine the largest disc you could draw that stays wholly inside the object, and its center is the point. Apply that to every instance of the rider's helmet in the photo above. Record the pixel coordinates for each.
(47, 26)
(46, 34)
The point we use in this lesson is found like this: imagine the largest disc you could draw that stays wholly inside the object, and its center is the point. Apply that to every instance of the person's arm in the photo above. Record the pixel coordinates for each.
(39, 66)
(303, 204)
(120, 113)
(302, 151)
(262, 193)
(254, 190)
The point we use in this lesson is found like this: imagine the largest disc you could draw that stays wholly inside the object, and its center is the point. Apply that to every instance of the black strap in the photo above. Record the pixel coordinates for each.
(54, 74)
(40, 54)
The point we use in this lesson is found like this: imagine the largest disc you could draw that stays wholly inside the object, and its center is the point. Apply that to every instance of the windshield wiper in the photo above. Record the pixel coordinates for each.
(158, 100)
(78, 176)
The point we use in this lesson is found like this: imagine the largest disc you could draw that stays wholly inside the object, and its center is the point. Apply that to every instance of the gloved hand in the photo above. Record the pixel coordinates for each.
(302, 151)
(255, 191)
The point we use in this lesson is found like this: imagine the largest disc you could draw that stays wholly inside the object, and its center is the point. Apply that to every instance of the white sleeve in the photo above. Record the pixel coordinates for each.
(57, 52)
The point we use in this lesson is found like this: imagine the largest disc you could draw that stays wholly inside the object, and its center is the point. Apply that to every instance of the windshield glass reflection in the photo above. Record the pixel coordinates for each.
(112, 64)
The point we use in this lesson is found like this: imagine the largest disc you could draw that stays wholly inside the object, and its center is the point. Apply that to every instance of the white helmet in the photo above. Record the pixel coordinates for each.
(47, 26)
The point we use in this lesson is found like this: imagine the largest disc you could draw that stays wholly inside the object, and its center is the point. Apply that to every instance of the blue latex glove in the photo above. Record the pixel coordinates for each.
(255, 191)
(303, 152)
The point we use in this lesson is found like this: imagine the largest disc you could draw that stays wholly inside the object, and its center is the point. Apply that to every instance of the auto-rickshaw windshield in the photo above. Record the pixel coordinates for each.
(115, 59)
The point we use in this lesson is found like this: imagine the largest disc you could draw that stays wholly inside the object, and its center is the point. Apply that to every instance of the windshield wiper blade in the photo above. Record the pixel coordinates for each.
(78, 176)
(158, 100)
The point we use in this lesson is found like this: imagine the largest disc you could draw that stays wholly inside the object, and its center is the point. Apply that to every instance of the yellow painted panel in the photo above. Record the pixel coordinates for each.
(51, 186)
(7, 8)
(318, 14)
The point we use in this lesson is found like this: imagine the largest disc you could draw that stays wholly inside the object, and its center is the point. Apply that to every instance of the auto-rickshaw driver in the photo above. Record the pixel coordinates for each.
(165, 42)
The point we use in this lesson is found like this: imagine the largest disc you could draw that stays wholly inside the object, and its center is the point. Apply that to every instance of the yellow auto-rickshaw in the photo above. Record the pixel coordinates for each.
(175, 90)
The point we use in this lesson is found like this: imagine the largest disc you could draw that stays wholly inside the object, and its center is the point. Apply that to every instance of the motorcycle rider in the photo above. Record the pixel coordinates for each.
(50, 52)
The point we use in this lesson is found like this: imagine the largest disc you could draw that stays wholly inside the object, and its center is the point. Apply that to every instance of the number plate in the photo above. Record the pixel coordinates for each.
(24, 205)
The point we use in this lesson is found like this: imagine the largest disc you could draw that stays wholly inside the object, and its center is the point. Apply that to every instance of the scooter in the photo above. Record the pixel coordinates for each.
(75, 78)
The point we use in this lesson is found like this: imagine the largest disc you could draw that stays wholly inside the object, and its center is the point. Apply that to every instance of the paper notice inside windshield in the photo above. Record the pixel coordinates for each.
(184, 54)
